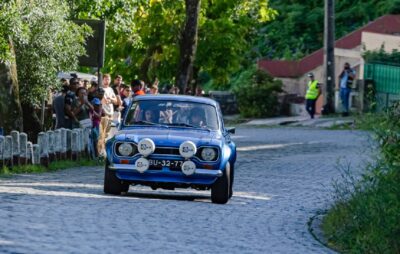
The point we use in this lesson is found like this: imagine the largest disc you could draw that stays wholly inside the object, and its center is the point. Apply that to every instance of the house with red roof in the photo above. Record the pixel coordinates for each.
(382, 31)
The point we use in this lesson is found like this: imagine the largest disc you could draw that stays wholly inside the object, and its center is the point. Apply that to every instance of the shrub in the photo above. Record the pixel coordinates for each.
(257, 93)
(366, 214)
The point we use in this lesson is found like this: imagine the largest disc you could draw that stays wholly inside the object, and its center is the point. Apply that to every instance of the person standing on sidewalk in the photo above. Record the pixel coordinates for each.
(108, 102)
(312, 94)
(346, 79)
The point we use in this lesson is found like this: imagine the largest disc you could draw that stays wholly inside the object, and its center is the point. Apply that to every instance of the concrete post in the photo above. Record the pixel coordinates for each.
(8, 149)
(2, 141)
(69, 144)
(57, 143)
(15, 147)
(51, 136)
(29, 152)
(23, 152)
(81, 141)
(75, 144)
(43, 142)
(86, 135)
(77, 141)
(63, 143)
(329, 58)
(36, 154)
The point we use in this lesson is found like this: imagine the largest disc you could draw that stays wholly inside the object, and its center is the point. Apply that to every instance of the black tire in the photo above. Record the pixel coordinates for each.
(113, 185)
(231, 183)
(221, 188)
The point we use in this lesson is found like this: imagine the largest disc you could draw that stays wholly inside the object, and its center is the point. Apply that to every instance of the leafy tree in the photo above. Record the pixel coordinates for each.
(188, 43)
(151, 47)
(10, 108)
(298, 29)
(226, 35)
(45, 43)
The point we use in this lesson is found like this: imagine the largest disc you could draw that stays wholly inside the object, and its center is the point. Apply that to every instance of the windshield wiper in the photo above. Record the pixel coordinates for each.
(183, 124)
(189, 125)
(145, 122)
(149, 123)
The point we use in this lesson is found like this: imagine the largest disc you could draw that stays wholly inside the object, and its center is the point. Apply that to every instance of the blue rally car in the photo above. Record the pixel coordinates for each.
(172, 141)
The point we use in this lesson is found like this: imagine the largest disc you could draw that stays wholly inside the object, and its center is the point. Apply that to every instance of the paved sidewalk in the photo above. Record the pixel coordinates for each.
(319, 122)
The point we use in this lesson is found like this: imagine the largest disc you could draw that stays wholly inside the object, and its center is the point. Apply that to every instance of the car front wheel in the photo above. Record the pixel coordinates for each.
(221, 188)
(113, 185)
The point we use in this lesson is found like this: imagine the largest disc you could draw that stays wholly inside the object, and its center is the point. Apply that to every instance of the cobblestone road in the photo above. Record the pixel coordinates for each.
(283, 177)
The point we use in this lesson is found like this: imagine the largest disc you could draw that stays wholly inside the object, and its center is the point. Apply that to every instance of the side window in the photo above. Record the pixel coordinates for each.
(130, 116)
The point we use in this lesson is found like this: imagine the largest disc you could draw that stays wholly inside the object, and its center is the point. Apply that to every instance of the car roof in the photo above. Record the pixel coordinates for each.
(174, 97)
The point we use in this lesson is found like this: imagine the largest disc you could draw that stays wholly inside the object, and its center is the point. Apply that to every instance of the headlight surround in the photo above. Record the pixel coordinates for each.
(126, 149)
(208, 154)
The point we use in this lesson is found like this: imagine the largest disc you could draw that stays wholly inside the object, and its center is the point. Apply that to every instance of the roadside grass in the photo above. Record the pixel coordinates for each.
(343, 126)
(366, 215)
(368, 121)
(53, 166)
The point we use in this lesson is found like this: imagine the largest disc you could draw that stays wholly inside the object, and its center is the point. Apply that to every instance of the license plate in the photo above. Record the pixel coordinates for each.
(165, 163)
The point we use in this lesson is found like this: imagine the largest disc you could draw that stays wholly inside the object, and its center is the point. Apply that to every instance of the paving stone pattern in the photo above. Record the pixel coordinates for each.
(283, 177)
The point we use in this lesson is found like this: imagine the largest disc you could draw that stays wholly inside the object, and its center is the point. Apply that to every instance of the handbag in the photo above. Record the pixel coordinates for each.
(86, 123)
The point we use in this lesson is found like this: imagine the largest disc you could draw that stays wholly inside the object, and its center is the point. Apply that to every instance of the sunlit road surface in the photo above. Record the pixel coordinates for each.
(283, 177)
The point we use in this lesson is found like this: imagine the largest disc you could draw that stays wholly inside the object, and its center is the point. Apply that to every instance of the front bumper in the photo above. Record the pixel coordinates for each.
(128, 172)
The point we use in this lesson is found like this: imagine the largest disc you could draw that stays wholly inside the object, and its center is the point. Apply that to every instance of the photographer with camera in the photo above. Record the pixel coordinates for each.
(346, 79)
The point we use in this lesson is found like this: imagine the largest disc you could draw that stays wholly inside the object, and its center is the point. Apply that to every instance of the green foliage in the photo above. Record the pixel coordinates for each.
(381, 56)
(150, 47)
(52, 44)
(298, 29)
(141, 36)
(44, 41)
(257, 93)
(56, 165)
(22, 169)
(226, 34)
(366, 216)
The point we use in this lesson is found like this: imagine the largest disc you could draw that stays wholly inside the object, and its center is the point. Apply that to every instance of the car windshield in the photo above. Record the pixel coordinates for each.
(172, 113)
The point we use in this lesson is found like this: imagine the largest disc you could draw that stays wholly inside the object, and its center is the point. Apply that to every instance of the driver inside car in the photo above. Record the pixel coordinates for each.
(197, 118)
(150, 116)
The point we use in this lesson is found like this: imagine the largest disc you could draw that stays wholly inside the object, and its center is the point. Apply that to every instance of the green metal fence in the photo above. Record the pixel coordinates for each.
(386, 77)
(386, 80)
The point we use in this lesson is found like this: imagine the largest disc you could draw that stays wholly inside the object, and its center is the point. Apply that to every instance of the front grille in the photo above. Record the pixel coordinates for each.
(167, 151)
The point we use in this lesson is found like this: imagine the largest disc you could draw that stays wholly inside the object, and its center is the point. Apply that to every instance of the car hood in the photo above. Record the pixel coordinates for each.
(171, 136)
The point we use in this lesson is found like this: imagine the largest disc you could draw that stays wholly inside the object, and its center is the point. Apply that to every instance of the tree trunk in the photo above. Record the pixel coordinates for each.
(188, 44)
(145, 66)
(33, 126)
(10, 107)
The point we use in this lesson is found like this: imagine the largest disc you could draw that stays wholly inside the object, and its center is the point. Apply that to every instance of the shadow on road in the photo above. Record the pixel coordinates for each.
(170, 196)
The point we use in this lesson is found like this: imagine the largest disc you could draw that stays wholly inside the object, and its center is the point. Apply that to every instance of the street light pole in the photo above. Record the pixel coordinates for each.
(329, 57)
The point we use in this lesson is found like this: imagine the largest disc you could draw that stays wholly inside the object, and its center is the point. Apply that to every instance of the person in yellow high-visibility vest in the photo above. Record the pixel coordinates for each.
(312, 94)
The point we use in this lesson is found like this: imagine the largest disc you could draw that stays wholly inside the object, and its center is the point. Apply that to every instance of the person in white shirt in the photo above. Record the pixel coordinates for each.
(108, 102)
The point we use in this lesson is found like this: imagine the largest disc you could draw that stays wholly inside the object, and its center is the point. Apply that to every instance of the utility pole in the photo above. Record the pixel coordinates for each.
(329, 58)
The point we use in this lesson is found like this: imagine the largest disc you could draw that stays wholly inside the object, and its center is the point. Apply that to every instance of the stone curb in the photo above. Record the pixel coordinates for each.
(314, 227)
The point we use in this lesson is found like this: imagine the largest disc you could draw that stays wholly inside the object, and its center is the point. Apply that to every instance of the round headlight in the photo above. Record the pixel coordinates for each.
(146, 146)
(125, 149)
(187, 149)
(208, 154)
(142, 164)
(188, 168)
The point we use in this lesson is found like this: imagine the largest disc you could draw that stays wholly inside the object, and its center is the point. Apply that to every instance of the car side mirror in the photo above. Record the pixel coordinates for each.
(231, 130)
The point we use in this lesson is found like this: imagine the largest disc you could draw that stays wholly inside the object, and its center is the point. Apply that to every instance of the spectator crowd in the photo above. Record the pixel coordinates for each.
(84, 104)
